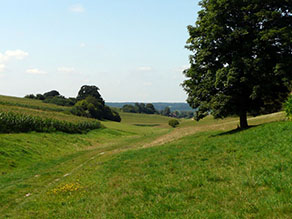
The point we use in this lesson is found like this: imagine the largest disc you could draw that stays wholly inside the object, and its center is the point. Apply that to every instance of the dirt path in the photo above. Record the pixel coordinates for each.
(223, 126)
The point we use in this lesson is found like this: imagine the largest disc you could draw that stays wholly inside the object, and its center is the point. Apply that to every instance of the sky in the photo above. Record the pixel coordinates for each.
(133, 50)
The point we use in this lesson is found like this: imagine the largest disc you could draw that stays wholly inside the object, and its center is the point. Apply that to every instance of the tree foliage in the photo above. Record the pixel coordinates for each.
(88, 90)
(52, 93)
(166, 111)
(88, 103)
(242, 56)
(140, 108)
(92, 105)
(288, 107)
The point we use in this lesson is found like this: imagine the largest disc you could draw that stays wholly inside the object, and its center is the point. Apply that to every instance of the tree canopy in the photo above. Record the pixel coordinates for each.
(87, 90)
(52, 93)
(91, 104)
(242, 58)
(140, 108)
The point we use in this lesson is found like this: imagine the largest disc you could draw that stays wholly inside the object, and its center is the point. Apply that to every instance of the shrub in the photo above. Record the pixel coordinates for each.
(173, 123)
(15, 122)
(288, 107)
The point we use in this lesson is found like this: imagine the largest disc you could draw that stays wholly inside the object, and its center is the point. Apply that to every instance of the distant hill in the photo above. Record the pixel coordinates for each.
(158, 106)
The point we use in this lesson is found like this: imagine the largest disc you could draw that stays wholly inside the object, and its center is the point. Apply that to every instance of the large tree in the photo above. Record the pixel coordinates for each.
(242, 58)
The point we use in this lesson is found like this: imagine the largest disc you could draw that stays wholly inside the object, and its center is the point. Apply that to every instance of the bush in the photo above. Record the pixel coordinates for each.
(288, 107)
(15, 123)
(173, 123)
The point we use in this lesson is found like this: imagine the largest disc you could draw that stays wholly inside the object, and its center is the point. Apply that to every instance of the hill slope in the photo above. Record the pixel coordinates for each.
(143, 168)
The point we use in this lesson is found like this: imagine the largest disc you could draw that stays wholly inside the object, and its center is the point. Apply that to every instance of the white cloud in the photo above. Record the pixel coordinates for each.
(12, 54)
(82, 45)
(35, 71)
(2, 67)
(145, 68)
(78, 8)
(66, 69)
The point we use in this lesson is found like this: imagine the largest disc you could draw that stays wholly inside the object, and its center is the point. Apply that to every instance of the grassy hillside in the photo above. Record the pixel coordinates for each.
(143, 168)
(30, 103)
(144, 119)
(38, 108)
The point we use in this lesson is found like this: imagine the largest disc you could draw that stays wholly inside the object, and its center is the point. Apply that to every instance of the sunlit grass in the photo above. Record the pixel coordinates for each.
(142, 168)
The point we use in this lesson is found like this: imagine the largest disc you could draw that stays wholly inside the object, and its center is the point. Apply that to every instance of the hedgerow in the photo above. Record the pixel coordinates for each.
(15, 122)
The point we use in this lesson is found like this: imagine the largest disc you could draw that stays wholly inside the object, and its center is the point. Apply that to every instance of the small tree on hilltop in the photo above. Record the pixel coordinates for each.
(51, 94)
(242, 58)
(91, 104)
(88, 90)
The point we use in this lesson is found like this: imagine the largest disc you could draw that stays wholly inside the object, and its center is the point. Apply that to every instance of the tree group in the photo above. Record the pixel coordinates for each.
(88, 103)
(91, 104)
(140, 108)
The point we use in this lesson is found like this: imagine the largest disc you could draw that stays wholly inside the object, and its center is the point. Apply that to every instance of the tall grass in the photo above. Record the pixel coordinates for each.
(15, 122)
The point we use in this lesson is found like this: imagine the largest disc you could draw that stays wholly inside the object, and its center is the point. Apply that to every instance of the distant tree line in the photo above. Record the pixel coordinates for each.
(150, 109)
(158, 105)
(140, 108)
(53, 97)
(176, 114)
(88, 103)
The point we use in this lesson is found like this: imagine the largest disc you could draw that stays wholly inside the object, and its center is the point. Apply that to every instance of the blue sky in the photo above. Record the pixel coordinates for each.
(133, 50)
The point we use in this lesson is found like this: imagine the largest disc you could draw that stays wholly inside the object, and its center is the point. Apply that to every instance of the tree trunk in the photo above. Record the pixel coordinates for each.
(243, 120)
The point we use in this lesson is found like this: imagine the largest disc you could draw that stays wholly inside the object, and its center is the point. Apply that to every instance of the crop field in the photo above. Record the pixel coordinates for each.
(44, 114)
(142, 168)
(32, 104)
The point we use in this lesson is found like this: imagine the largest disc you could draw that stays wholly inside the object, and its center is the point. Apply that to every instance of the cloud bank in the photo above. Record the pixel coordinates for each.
(35, 71)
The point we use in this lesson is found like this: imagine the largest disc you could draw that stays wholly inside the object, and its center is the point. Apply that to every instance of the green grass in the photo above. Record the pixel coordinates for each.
(144, 119)
(32, 104)
(208, 175)
(201, 170)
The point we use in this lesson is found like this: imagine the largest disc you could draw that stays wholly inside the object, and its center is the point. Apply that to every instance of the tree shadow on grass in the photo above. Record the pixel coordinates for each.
(234, 131)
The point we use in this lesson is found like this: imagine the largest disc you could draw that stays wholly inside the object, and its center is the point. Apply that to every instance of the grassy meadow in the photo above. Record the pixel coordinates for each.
(142, 168)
